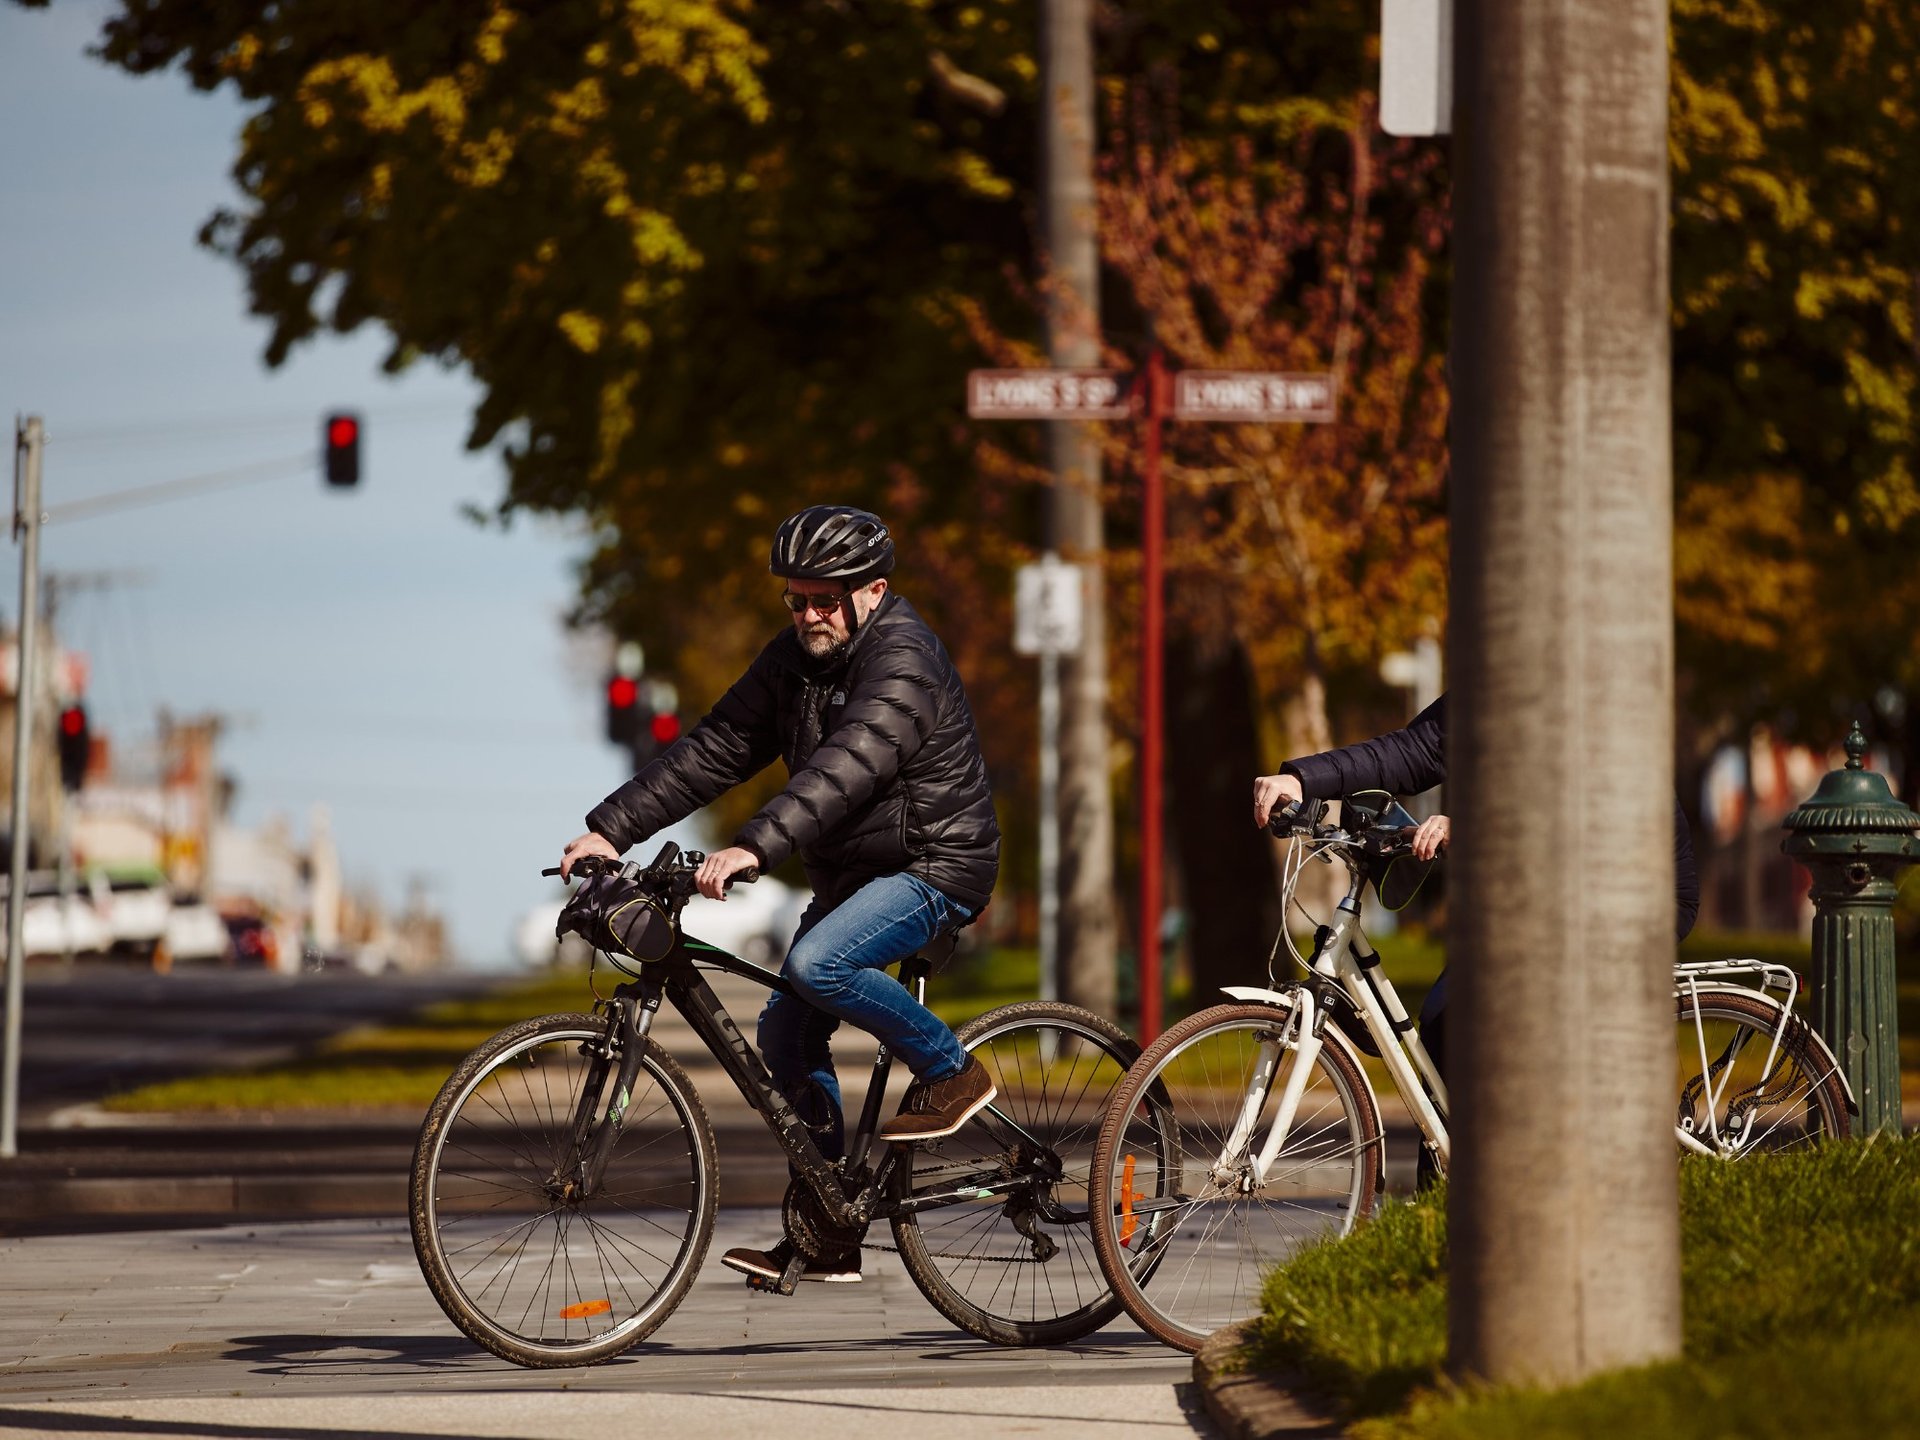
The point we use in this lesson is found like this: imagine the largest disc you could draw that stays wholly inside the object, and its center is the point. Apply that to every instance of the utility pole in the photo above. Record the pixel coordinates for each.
(1088, 928)
(29, 444)
(1563, 1199)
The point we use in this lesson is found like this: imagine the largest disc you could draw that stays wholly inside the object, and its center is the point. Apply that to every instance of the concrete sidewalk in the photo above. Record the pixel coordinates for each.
(1069, 1412)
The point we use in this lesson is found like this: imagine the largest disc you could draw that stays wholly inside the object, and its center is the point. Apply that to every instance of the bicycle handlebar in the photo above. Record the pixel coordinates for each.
(1306, 821)
(669, 865)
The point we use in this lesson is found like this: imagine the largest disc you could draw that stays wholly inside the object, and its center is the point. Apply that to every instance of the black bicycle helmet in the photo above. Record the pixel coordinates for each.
(833, 542)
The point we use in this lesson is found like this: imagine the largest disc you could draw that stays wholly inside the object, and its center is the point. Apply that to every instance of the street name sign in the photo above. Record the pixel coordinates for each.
(1252, 395)
(1047, 395)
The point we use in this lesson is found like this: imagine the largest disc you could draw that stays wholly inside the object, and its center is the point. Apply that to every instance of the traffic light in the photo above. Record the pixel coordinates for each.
(342, 444)
(626, 718)
(76, 743)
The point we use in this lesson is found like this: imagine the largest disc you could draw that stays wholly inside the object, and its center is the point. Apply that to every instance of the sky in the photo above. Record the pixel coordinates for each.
(370, 649)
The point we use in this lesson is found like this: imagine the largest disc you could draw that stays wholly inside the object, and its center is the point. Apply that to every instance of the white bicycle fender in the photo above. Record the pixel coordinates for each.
(1253, 994)
(1819, 1042)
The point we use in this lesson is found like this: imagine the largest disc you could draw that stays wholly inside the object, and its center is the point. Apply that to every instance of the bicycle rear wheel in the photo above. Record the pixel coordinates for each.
(1742, 1091)
(521, 1264)
(1012, 1262)
(1186, 1242)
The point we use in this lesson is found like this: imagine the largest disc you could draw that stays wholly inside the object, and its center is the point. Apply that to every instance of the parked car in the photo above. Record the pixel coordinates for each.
(135, 903)
(195, 931)
(254, 942)
(52, 925)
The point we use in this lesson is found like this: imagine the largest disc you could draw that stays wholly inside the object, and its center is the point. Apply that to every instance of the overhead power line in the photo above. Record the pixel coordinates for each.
(174, 489)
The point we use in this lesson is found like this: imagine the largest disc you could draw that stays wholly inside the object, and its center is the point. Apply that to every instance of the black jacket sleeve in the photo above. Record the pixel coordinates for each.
(733, 742)
(1402, 762)
(1407, 761)
(1686, 881)
(888, 716)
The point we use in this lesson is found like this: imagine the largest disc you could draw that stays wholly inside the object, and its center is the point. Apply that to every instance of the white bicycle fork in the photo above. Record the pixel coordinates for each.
(1294, 1033)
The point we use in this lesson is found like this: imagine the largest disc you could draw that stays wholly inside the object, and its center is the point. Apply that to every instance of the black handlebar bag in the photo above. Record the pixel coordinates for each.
(617, 914)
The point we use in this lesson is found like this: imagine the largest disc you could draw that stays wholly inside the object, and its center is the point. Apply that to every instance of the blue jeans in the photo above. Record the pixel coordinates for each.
(837, 967)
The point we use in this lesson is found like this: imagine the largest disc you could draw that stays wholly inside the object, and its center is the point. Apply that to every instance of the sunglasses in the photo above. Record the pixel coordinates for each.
(826, 604)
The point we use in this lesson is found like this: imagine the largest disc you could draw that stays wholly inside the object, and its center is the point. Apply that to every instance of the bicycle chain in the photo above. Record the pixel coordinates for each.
(949, 1255)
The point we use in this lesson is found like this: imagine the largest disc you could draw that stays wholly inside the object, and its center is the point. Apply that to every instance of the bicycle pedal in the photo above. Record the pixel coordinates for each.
(789, 1280)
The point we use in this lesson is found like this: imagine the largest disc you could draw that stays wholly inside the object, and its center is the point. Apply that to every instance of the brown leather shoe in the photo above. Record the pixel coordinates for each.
(942, 1107)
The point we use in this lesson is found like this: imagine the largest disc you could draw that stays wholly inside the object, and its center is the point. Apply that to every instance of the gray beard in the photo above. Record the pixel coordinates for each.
(822, 645)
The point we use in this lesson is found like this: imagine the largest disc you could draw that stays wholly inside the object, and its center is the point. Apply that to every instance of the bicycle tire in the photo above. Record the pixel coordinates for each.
(972, 1261)
(1174, 1278)
(488, 1153)
(1796, 1101)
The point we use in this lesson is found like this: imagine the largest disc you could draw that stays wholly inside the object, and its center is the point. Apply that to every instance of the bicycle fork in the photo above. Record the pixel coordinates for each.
(1304, 1046)
(594, 1135)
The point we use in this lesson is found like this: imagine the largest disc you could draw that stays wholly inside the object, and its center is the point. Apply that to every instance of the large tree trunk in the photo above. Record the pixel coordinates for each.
(1232, 902)
(1563, 1206)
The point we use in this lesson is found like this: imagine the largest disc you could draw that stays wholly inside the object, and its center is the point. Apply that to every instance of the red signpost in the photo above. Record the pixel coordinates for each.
(1226, 396)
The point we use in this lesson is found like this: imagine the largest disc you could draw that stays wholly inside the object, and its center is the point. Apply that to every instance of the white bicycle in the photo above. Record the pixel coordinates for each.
(1279, 1138)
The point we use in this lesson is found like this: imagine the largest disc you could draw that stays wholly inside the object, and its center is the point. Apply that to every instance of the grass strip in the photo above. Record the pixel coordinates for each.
(1805, 1383)
(1774, 1248)
(401, 1066)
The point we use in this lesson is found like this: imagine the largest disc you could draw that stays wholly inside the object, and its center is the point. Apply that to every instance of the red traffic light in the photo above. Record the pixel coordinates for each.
(666, 729)
(341, 431)
(622, 692)
(75, 746)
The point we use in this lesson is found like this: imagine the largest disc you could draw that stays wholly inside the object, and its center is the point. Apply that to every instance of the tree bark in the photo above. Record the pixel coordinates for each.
(1563, 1206)
(1088, 911)
(1232, 903)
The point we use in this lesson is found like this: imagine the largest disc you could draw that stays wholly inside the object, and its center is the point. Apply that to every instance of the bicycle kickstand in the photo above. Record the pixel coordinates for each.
(788, 1282)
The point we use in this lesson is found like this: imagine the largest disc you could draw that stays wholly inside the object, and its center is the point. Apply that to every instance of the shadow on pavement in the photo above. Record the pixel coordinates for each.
(285, 1355)
(54, 1422)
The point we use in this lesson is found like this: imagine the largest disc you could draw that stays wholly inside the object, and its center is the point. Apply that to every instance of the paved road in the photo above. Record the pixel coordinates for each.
(262, 1325)
(97, 1027)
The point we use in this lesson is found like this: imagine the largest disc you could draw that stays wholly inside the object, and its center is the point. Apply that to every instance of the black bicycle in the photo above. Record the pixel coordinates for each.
(565, 1180)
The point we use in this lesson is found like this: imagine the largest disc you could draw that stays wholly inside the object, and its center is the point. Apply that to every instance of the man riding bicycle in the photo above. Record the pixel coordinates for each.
(886, 802)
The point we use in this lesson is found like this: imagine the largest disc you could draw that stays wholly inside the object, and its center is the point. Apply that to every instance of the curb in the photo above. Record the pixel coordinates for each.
(1253, 1405)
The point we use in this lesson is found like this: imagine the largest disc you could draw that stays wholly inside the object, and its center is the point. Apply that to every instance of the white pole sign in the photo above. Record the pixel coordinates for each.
(1047, 608)
(1416, 67)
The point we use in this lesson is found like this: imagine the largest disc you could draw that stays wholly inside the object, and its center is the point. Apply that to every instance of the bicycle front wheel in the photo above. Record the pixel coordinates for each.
(997, 1236)
(1186, 1240)
(516, 1257)
(1753, 1077)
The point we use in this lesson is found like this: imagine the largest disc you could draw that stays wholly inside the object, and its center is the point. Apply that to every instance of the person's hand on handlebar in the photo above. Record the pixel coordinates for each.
(1273, 792)
(1431, 837)
(721, 866)
(590, 843)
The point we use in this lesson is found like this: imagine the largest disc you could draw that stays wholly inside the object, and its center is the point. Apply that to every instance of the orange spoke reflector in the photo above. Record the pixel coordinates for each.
(586, 1308)
(1127, 1197)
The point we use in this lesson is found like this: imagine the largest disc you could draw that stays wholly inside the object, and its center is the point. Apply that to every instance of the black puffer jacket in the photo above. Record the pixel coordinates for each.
(1405, 762)
(884, 759)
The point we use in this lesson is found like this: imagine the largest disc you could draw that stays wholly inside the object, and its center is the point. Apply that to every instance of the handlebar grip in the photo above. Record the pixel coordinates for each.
(743, 877)
(552, 870)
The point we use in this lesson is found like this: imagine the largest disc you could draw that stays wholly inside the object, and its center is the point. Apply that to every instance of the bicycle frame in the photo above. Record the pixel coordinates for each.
(1336, 963)
(677, 979)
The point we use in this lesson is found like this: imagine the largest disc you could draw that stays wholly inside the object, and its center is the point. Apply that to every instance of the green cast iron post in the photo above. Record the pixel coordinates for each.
(1855, 838)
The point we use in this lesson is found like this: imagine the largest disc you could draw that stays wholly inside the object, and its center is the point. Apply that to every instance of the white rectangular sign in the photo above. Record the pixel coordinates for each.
(1416, 67)
(1047, 395)
(1252, 395)
(1047, 608)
